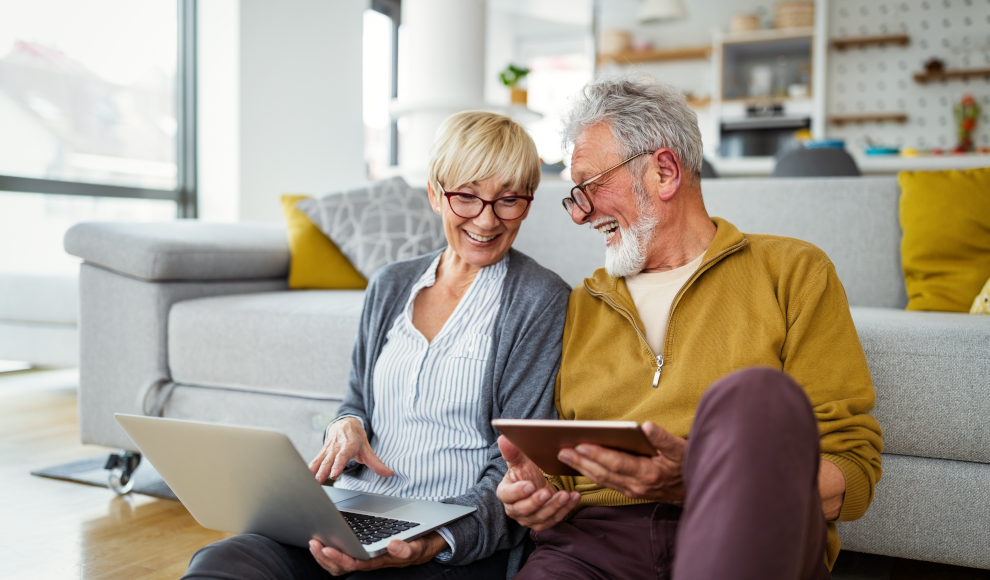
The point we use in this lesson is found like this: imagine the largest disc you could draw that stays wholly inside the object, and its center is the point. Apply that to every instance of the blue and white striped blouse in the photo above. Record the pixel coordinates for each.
(428, 396)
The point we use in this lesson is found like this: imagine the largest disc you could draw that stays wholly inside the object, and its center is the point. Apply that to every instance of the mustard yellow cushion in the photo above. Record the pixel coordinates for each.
(981, 304)
(316, 263)
(945, 251)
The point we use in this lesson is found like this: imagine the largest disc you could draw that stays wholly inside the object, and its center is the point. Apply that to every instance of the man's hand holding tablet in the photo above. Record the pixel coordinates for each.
(636, 472)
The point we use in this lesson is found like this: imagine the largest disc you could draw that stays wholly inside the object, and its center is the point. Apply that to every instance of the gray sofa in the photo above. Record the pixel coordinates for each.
(193, 320)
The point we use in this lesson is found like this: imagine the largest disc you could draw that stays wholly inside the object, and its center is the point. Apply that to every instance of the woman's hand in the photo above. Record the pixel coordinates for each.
(346, 440)
(400, 554)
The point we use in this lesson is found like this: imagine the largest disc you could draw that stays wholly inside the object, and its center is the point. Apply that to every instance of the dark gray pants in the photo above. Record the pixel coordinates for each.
(753, 509)
(254, 557)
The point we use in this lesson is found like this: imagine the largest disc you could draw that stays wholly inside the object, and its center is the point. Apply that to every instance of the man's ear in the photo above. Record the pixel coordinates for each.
(666, 173)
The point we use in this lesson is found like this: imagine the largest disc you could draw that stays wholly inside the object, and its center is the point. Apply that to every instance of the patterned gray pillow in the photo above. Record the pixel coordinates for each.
(378, 224)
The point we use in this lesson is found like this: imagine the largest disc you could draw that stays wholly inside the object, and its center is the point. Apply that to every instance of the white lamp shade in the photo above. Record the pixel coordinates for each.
(660, 10)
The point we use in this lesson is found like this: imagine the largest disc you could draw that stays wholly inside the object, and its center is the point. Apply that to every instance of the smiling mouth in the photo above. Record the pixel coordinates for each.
(481, 239)
(608, 227)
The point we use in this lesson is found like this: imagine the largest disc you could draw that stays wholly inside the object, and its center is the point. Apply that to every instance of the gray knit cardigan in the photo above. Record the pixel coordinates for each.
(518, 383)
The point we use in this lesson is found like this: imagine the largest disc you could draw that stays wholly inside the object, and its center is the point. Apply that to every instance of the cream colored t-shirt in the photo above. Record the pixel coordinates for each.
(654, 293)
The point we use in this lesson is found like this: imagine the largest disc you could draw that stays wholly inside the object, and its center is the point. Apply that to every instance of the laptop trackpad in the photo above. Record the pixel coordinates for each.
(376, 504)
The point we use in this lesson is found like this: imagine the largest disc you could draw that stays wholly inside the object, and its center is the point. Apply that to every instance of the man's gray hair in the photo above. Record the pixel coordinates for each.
(643, 114)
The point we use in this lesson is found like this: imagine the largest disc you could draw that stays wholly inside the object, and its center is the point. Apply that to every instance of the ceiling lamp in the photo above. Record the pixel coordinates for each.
(661, 10)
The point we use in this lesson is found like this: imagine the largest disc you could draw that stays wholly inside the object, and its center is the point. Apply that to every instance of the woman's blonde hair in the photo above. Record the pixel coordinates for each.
(475, 145)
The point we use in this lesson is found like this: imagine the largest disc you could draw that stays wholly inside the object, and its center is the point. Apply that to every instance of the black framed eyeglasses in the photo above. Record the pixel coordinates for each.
(470, 206)
(579, 193)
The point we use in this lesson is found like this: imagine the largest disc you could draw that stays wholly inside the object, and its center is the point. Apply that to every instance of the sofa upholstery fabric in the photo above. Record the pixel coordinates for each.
(184, 250)
(852, 219)
(301, 419)
(292, 342)
(926, 509)
(123, 329)
(930, 371)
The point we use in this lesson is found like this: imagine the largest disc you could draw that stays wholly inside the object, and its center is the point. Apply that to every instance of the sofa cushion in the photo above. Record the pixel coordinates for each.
(183, 250)
(930, 373)
(295, 342)
(945, 216)
(981, 304)
(378, 224)
(317, 263)
(852, 219)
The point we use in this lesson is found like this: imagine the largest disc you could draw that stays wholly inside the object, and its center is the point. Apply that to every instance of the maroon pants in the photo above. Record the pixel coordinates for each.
(753, 510)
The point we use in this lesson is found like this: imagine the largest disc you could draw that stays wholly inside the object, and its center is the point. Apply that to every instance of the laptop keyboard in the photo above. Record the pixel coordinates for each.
(370, 529)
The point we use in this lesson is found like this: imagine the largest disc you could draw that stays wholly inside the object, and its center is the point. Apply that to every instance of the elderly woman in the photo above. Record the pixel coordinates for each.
(448, 341)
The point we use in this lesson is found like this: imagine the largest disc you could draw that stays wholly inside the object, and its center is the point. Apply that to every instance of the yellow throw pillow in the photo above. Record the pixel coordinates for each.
(981, 304)
(316, 263)
(945, 251)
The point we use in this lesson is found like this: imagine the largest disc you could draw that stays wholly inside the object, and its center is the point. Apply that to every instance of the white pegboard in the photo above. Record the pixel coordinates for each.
(880, 79)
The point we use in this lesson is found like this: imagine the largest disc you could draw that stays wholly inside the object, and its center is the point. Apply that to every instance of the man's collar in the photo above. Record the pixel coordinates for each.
(726, 237)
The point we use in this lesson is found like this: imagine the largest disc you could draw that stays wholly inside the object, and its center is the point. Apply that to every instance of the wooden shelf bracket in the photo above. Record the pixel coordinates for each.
(878, 39)
(868, 118)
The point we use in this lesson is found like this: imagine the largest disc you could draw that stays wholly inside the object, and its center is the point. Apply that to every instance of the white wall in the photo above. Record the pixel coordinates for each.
(280, 103)
(218, 86)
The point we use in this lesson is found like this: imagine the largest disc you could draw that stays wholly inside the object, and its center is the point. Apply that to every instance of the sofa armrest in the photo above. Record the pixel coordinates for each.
(183, 250)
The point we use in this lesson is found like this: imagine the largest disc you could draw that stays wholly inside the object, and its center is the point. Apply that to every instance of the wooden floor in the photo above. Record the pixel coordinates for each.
(58, 529)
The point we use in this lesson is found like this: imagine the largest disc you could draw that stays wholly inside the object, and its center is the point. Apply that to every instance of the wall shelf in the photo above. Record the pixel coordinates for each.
(947, 74)
(868, 118)
(670, 54)
(880, 39)
(767, 35)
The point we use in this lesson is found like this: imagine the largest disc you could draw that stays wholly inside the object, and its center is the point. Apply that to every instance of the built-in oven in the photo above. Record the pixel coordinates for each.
(758, 130)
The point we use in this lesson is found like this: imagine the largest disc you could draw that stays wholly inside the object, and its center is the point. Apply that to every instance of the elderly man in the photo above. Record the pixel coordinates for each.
(737, 354)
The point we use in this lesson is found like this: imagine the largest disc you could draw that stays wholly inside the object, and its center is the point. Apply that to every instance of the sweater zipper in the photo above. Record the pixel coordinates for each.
(629, 317)
(677, 298)
(701, 270)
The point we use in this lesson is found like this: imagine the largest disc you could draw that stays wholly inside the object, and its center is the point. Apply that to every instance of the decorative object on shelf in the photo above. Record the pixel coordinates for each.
(947, 74)
(794, 14)
(641, 45)
(934, 65)
(760, 80)
(615, 41)
(510, 77)
(882, 150)
(966, 112)
(654, 11)
(868, 118)
(825, 144)
(744, 22)
(841, 44)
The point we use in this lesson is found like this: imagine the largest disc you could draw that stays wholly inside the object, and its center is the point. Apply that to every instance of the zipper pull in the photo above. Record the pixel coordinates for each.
(656, 377)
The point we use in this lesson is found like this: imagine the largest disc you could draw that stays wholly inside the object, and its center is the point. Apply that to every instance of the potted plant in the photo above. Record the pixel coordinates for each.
(510, 78)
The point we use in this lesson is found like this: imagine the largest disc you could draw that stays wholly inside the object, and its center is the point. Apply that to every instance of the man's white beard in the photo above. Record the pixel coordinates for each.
(628, 256)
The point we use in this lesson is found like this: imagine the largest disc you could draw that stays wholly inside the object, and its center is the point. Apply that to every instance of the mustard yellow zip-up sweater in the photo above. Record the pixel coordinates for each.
(755, 300)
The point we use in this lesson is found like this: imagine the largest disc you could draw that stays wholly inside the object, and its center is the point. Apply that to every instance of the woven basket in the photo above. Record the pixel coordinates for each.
(744, 22)
(794, 14)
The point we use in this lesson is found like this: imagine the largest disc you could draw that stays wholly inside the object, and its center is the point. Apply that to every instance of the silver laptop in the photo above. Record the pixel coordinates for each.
(246, 480)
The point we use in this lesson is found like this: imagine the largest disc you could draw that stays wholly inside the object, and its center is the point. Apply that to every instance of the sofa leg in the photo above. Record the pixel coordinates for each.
(121, 467)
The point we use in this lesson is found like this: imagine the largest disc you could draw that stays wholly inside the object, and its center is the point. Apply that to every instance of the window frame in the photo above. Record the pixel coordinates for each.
(185, 193)
(392, 9)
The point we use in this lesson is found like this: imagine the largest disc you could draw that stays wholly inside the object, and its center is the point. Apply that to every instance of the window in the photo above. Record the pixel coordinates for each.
(95, 99)
(380, 79)
(96, 120)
